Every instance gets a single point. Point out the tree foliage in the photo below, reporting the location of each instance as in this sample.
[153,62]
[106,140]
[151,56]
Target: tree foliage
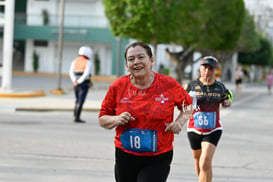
[200,24]
[212,24]
[148,21]
[263,56]
[250,39]
[196,25]
[223,25]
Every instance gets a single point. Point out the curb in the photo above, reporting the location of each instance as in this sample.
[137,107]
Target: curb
[18,94]
[95,78]
[54,109]
[41,93]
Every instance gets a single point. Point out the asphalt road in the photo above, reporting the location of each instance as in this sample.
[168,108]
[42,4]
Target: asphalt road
[48,146]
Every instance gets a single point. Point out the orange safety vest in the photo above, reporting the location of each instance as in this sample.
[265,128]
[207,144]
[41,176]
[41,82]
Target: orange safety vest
[80,64]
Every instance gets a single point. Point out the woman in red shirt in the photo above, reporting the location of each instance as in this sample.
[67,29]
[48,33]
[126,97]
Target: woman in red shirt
[140,106]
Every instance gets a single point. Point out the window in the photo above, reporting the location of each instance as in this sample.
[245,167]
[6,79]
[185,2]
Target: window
[40,43]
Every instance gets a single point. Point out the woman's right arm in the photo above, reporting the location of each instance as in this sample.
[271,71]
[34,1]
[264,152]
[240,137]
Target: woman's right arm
[110,122]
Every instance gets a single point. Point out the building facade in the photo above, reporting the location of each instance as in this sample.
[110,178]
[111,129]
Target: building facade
[262,11]
[36,31]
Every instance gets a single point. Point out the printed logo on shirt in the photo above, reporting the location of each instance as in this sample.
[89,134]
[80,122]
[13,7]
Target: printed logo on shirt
[161,99]
[125,100]
[197,87]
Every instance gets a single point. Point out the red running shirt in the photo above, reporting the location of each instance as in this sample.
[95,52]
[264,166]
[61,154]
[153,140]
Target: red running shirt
[151,108]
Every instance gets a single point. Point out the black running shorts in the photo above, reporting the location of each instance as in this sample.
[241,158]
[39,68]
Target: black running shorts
[196,139]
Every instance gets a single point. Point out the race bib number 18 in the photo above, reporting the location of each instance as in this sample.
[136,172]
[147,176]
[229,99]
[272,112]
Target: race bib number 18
[139,140]
[205,120]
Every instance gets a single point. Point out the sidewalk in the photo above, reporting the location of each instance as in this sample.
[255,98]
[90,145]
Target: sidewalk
[33,92]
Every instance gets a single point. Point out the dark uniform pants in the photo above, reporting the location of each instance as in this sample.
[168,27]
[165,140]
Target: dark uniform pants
[80,91]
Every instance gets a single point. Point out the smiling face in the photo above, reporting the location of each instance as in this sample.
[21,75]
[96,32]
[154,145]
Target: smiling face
[138,62]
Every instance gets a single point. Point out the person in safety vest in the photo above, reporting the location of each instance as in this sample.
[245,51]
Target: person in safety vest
[80,75]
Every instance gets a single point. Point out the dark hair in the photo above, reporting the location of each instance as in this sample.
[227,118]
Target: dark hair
[141,44]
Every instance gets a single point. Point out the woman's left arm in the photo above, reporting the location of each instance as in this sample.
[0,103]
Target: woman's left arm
[177,125]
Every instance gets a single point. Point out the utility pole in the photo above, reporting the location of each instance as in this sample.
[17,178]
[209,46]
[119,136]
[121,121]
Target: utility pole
[118,56]
[60,44]
[7,44]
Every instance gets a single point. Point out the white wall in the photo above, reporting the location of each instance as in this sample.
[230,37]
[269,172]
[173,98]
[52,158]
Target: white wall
[77,13]
[105,55]
[48,61]
[35,8]
[28,56]
[80,13]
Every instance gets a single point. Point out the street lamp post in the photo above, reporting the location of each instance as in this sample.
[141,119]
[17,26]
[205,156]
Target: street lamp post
[118,56]
[7,44]
[60,44]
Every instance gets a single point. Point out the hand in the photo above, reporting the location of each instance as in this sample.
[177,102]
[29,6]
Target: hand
[174,127]
[123,118]
[226,103]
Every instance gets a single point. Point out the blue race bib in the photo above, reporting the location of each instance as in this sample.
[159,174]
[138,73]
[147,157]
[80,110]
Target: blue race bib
[139,140]
[205,120]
